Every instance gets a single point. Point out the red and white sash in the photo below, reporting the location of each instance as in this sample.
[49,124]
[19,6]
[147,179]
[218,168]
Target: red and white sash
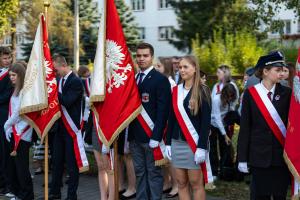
[148,126]
[273,120]
[4,73]
[189,130]
[269,112]
[75,133]
[17,136]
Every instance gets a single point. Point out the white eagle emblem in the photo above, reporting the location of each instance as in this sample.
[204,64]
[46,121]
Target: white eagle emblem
[115,73]
[296,84]
[51,83]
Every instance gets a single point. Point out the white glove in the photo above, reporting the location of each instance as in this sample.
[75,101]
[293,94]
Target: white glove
[8,134]
[200,156]
[105,149]
[153,143]
[243,167]
[168,152]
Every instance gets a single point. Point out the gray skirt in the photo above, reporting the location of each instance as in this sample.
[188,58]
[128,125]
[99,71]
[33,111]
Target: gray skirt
[182,155]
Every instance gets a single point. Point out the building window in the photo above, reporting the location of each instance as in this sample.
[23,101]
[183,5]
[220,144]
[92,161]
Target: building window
[7,40]
[138,5]
[164,4]
[142,34]
[165,32]
[20,39]
[287,27]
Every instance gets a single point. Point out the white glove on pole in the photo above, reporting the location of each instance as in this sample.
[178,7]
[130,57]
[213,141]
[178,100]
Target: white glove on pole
[243,167]
[105,149]
[168,152]
[153,143]
[200,156]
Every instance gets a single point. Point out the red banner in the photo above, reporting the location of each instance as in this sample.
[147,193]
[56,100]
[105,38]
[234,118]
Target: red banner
[292,141]
[122,102]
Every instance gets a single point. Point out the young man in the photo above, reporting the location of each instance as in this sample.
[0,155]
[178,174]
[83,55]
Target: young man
[5,93]
[175,62]
[68,141]
[155,92]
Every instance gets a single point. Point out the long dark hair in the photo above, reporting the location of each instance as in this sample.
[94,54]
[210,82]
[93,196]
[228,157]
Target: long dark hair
[168,66]
[228,94]
[20,69]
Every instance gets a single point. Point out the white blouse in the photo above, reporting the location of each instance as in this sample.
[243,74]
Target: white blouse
[16,120]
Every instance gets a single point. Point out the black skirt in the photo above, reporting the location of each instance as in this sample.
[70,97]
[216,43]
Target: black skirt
[273,180]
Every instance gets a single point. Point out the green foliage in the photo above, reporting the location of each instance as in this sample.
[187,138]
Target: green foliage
[8,13]
[239,51]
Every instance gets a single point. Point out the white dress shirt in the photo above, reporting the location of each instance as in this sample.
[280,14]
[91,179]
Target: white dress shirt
[267,91]
[16,120]
[145,72]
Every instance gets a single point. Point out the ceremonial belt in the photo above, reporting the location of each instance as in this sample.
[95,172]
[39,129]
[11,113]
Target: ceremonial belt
[189,130]
[148,126]
[3,74]
[75,133]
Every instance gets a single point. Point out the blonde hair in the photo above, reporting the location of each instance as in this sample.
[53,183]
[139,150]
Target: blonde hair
[198,88]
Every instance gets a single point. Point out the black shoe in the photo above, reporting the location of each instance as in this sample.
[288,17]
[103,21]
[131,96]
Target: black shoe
[54,196]
[121,191]
[122,197]
[70,198]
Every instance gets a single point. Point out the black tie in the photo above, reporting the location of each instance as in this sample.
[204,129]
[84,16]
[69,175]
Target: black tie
[270,95]
[141,78]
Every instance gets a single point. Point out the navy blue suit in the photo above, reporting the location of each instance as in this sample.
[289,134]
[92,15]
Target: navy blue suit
[155,92]
[71,98]
[6,90]
[200,121]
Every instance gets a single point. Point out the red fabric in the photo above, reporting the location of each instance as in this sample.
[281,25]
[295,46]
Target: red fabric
[4,75]
[75,142]
[158,155]
[292,140]
[264,111]
[186,131]
[120,104]
[42,118]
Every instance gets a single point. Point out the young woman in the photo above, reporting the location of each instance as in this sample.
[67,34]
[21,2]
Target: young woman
[19,134]
[262,132]
[287,75]
[218,132]
[165,66]
[105,172]
[188,130]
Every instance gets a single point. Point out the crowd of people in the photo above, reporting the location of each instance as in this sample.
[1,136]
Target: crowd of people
[191,126]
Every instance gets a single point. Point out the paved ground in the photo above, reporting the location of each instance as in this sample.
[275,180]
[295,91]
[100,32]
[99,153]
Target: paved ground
[88,188]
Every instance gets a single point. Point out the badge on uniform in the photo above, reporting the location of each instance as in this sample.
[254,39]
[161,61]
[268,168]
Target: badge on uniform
[145,97]
[277,97]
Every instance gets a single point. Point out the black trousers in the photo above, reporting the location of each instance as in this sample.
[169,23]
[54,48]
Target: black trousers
[18,173]
[63,151]
[4,153]
[216,138]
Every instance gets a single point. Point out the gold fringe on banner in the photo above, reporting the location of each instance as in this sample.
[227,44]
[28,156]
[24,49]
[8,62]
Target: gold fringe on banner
[35,108]
[291,167]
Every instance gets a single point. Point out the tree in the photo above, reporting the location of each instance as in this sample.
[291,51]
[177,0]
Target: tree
[202,17]
[239,50]
[8,13]
[129,26]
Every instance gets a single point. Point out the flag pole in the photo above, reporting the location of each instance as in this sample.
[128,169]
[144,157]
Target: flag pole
[116,171]
[46,165]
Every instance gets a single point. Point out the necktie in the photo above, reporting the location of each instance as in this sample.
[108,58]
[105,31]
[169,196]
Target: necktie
[270,95]
[141,78]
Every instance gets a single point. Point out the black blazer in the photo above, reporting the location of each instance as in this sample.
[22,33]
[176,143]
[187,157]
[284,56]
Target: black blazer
[201,121]
[71,97]
[257,144]
[6,90]
[156,87]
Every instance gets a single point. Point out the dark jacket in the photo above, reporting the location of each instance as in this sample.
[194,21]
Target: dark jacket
[257,144]
[71,98]
[201,121]
[156,87]
[6,90]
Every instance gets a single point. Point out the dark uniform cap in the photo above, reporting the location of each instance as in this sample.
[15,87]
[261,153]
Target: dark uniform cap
[275,59]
